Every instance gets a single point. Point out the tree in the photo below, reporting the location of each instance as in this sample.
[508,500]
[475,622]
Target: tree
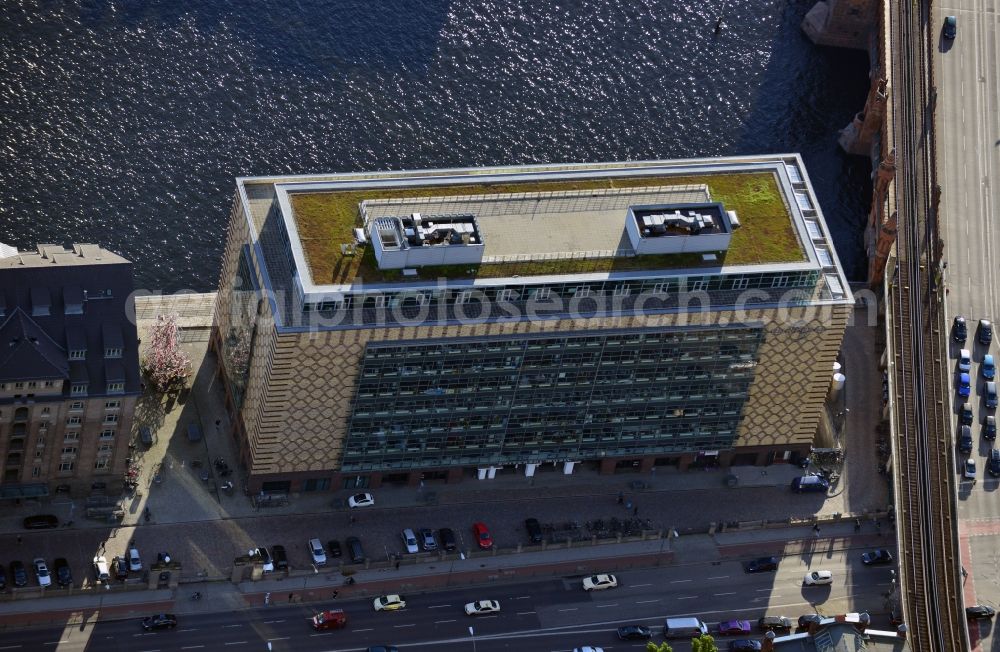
[658,647]
[704,643]
[165,365]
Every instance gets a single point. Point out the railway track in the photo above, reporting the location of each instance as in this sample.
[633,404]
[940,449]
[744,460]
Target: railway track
[923,451]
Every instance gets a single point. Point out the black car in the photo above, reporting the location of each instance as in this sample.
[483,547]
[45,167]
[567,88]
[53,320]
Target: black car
[990,428]
[993,462]
[3,578]
[634,633]
[447,538]
[41,522]
[808,619]
[876,557]
[744,645]
[763,564]
[965,439]
[159,621]
[965,414]
[979,612]
[63,575]
[985,332]
[333,548]
[777,624]
[950,27]
[355,549]
[120,567]
[280,557]
[959,331]
[534,530]
[18,574]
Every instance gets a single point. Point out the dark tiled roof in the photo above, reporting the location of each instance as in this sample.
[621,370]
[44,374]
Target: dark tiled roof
[27,352]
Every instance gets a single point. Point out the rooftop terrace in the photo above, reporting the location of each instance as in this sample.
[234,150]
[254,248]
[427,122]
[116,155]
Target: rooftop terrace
[325,220]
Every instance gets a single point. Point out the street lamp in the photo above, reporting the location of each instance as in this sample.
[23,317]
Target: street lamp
[473,635]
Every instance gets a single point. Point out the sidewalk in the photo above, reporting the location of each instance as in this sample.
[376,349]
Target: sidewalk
[321,587]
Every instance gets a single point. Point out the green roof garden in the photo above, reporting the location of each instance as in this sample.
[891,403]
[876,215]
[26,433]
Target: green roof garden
[326,219]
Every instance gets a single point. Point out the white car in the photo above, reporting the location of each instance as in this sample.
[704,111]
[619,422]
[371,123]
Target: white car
[587,648]
[964,360]
[317,552]
[101,573]
[361,500]
[482,607]
[134,560]
[818,577]
[389,603]
[410,540]
[42,572]
[265,559]
[599,582]
[970,469]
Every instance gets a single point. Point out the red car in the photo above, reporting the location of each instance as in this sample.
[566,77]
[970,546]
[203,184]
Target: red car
[483,536]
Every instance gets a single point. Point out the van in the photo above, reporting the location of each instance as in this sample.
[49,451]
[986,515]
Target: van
[810,483]
[355,550]
[331,619]
[684,628]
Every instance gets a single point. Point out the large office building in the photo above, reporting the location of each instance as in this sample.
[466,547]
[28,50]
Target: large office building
[69,369]
[441,324]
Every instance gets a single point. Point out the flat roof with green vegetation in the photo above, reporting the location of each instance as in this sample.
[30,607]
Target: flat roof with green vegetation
[326,219]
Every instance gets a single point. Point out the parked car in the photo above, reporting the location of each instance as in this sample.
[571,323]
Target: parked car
[482,607]
[427,539]
[991,394]
[3,578]
[361,500]
[382,648]
[389,603]
[64,577]
[41,522]
[280,557]
[808,619]
[264,557]
[965,414]
[964,360]
[134,560]
[482,535]
[41,572]
[159,621]
[120,565]
[950,27]
[959,330]
[734,627]
[448,541]
[776,624]
[534,529]
[876,557]
[333,549]
[18,574]
[744,645]
[964,385]
[969,473]
[816,578]
[762,564]
[979,612]
[355,550]
[316,552]
[410,541]
[985,332]
[988,368]
[990,428]
[600,582]
[330,619]
[965,439]
[635,633]
[993,463]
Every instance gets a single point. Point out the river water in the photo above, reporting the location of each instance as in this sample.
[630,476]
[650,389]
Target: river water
[125,123]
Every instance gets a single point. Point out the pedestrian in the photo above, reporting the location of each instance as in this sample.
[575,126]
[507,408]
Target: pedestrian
[857,525]
[291,596]
[335,594]
[621,498]
[635,511]
[816,530]
[353,520]
[397,565]
[19,539]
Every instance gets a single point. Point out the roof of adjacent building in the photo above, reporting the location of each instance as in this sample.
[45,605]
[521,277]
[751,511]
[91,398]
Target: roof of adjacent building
[55,300]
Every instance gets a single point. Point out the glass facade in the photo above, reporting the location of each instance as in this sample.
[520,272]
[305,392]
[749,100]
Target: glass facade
[553,397]
[238,342]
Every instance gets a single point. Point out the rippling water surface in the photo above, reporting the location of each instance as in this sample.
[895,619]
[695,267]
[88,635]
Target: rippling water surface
[125,122]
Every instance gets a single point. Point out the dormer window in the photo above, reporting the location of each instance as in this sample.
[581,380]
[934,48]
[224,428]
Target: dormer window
[78,389]
[78,354]
[112,353]
[116,388]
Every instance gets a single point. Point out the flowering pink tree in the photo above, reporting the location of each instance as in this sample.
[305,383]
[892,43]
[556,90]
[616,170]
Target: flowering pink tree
[165,365]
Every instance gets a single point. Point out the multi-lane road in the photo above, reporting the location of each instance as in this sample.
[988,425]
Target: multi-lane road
[545,615]
[967,79]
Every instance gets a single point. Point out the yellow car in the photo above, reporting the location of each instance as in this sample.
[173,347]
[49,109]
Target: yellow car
[389,603]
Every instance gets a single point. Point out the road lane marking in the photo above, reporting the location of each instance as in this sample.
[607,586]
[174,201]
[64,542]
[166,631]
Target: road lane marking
[285,638]
[687,597]
[718,594]
[763,590]
[525,613]
[523,597]
[680,581]
[571,609]
[439,606]
[192,647]
[271,622]
[636,586]
[14,647]
[719,577]
[439,622]
[236,625]
[602,606]
[646,601]
[237,643]
[400,626]
[195,629]
[370,629]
